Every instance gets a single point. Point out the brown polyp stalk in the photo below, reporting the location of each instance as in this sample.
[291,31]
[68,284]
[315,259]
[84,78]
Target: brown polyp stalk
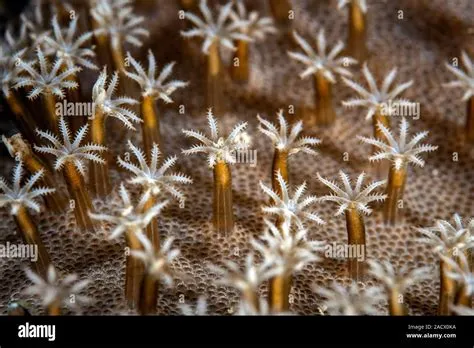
[118,62]
[381,168]
[61,11]
[15,105]
[356,237]
[239,69]
[148,295]
[78,192]
[134,271]
[447,289]
[148,287]
[214,79]
[101,45]
[379,117]
[54,309]
[186,45]
[280,10]
[31,236]
[16,310]
[280,163]
[99,172]
[222,203]
[395,188]
[279,293]
[124,88]
[470,120]
[324,109]
[84,23]
[49,103]
[463,298]
[23,118]
[395,306]
[188,5]
[357,46]
[55,200]
[251,297]
[116,53]
[152,231]
[469,256]
[150,125]
[74,95]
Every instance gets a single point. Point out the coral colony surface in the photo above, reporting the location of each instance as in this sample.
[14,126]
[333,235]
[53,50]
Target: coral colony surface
[303,157]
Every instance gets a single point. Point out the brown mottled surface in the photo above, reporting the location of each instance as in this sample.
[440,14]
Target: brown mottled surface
[431,33]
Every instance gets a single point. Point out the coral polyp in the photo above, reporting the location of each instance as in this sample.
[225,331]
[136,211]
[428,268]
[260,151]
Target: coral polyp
[400,152]
[106,105]
[70,159]
[323,65]
[396,282]
[221,153]
[354,203]
[357,35]
[153,86]
[157,269]
[20,199]
[154,182]
[448,241]
[131,220]
[48,81]
[290,209]
[465,80]
[286,252]
[339,300]
[217,31]
[379,101]
[72,51]
[256,28]
[56,292]
[287,143]
[246,282]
